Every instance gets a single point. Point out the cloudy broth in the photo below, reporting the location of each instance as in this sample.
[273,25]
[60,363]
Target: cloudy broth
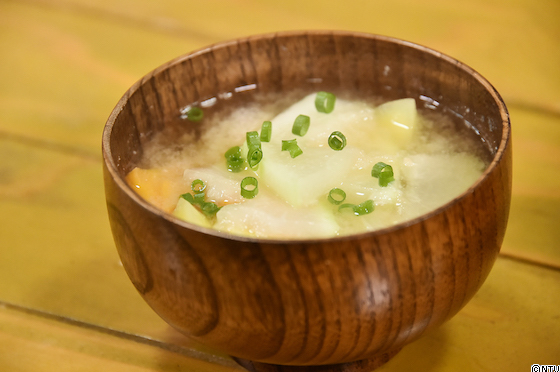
[434,157]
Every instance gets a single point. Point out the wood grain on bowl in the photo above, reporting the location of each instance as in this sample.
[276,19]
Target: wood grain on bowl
[312,302]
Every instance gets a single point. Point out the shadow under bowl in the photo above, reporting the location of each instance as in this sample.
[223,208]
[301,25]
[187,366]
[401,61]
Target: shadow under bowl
[321,301]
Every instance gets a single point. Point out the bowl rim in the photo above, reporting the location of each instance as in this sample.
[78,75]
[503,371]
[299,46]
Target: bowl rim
[124,187]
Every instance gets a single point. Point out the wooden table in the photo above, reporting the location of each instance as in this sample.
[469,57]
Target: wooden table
[66,303]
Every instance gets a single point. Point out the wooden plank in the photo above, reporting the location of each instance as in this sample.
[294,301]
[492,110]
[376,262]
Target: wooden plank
[63,73]
[509,325]
[85,55]
[513,44]
[34,343]
[487,335]
[57,250]
[533,232]
[58,254]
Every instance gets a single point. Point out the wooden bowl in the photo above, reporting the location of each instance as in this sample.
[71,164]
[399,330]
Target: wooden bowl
[308,302]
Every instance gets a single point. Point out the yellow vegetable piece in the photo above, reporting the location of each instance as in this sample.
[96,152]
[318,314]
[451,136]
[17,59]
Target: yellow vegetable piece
[399,117]
[159,187]
[187,212]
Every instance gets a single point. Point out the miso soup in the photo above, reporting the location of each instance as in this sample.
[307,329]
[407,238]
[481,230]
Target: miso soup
[317,167]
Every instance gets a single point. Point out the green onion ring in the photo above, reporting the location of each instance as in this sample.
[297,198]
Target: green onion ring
[235,151]
[235,164]
[199,198]
[346,206]
[234,161]
[249,193]
[253,139]
[364,208]
[295,151]
[292,147]
[377,168]
[324,102]
[266,131]
[359,210]
[194,114]
[254,156]
[188,197]
[336,196]
[337,141]
[286,144]
[384,172]
[198,186]
[209,209]
[301,125]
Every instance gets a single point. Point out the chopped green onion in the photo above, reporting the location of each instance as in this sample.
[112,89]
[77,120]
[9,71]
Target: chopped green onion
[235,164]
[234,161]
[337,141]
[249,187]
[235,151]
[193,114]
[253,139]
[209,209]
[336,196]
[301,125]
[292,147]
[198,186]
[384,172]
[364,208]
[266,131]
[188,197]
[286,144]
[359,210]
[199,198]
[254,156]
[324,102]
[377,168]
[346,206]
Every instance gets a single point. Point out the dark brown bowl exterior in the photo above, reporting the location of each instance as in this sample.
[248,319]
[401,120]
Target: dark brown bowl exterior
[321,301]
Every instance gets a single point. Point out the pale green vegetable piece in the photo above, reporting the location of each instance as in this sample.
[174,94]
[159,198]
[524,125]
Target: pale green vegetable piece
[434,179]
[344,118]
[267,216]
[359,185]
[399,117]
[188,212]
[304,180]
[222,186]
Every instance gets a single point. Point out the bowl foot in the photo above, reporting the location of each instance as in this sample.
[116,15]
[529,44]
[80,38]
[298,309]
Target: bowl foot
[364,365]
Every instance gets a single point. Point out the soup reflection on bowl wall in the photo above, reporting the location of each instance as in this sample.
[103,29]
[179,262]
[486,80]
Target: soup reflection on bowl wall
[308,301]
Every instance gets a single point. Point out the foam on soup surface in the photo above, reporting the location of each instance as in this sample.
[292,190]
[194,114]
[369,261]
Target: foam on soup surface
[431,164]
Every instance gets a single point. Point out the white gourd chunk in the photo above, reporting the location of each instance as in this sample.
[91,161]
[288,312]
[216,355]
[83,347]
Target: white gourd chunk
[301,181]
[266,216]
[399,117]
[187,212]
[222,187]
[359,185]
[435,179]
